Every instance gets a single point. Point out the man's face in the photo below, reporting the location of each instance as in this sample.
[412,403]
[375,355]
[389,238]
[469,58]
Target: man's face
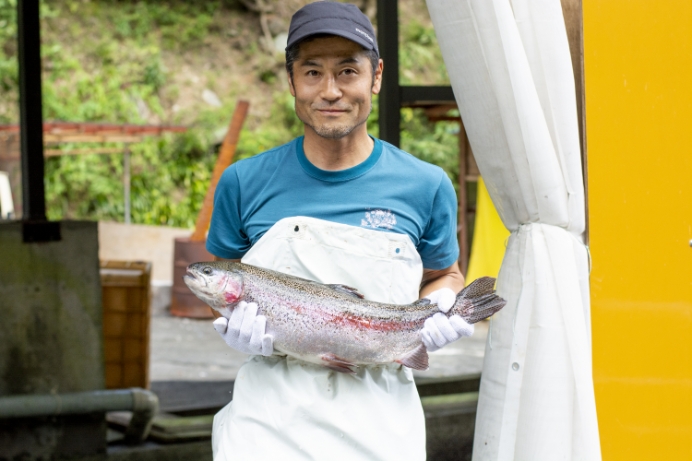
[333,86]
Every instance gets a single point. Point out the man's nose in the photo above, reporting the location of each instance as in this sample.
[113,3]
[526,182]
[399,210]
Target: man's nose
[330,89]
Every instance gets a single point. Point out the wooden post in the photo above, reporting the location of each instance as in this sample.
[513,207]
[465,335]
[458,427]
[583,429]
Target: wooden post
[461,228]
[222,162]
[574,23]
[126,183]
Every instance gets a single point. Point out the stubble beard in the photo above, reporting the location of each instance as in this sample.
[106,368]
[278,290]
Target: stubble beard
[335,132]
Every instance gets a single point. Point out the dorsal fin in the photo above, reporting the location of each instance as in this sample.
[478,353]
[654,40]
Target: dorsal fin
[346,290]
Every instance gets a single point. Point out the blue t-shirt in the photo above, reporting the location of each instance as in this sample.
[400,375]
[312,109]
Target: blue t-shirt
[391,191]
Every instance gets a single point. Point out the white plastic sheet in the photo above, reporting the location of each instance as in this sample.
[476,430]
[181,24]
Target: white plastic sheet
[510,68]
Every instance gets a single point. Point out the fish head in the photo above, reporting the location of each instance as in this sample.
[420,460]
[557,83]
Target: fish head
[214,284]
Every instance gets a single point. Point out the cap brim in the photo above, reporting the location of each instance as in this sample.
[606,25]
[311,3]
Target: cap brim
[362,41]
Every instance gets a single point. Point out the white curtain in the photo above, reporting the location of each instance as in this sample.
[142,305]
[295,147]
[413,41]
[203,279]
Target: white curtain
[510,68]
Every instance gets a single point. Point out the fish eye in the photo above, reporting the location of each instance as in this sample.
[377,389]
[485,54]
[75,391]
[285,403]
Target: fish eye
[207,270]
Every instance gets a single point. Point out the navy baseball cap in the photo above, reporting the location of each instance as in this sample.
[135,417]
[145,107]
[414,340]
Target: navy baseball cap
[333,18]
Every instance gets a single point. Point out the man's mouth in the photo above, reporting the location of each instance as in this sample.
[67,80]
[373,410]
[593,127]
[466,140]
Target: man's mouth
[331,111]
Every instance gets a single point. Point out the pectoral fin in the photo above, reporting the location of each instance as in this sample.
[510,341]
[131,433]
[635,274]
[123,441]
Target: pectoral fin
[416,359]
[338,364]
[346,290]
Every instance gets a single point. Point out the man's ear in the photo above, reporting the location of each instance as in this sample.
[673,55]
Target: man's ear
[377,80]
[290,85]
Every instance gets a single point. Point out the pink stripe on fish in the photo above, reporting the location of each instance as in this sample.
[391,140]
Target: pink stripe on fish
[371,324]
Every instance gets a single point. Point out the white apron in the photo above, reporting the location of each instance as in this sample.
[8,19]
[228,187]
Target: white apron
[287,409]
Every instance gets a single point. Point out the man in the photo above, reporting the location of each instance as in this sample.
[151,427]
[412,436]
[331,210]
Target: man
[335,206]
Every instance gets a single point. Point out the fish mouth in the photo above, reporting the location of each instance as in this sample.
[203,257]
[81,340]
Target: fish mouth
[191,277]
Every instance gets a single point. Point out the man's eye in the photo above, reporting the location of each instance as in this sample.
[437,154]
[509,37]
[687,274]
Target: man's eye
[313,73]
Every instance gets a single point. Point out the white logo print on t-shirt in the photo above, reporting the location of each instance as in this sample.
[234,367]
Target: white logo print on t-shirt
[379,219]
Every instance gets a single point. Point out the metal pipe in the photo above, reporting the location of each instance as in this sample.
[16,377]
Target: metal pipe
[126,183]
[142,403]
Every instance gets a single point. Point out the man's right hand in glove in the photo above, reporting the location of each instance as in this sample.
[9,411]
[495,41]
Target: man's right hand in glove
[245,331]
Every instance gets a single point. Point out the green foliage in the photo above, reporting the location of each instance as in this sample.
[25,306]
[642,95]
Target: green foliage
[8,20]
[154,74]
[420,58]
[282,126]
[9,78]
[169,180]
[435,143]
[180,24]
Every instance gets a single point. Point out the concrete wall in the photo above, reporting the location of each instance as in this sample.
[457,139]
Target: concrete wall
[50,335]
[136,242]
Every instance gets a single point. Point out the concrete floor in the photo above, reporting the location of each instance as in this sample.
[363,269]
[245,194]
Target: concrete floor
[190,350]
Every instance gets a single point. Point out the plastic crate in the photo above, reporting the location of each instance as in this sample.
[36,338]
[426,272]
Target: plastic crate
[126,318]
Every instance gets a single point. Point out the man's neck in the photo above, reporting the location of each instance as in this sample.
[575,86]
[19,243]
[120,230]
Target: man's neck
[338,154]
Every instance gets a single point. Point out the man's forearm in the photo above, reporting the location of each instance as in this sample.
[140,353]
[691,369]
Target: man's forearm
[450,277]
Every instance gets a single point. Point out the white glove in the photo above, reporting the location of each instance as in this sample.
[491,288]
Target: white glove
[440,330]
[245,331]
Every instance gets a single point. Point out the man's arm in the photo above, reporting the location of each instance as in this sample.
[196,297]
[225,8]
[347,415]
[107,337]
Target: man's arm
[449,277]
[441,287]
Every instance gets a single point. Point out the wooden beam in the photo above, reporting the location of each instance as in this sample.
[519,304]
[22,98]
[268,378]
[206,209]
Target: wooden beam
[574,23]
[230,141]
[444,118]
[56,139]
[463,201]
[429,95]
[94,151]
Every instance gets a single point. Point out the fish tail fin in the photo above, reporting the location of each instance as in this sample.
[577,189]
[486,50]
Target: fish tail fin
[478,301]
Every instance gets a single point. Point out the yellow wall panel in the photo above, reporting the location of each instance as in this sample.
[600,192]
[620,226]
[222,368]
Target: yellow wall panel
[489,238]
[638,85]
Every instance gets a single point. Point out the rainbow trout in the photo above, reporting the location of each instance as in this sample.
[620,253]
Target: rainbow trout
[332,325]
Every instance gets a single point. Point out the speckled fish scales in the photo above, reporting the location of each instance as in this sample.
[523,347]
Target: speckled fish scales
[332,325]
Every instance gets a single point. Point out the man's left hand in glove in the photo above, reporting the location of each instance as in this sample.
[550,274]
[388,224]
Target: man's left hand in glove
[440,330]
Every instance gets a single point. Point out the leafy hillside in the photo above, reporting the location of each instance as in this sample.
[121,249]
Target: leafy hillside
[178,62]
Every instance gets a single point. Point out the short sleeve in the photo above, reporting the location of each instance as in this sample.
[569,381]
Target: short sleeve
[438,245]
[226,238]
